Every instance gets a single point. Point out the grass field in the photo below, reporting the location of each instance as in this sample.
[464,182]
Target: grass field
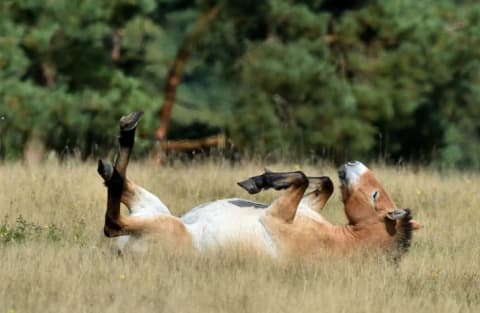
[54,257]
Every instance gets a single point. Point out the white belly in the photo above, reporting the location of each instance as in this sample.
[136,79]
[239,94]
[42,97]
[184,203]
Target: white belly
[229,221]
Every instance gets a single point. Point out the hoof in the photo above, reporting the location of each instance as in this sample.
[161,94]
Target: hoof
[129,122]
[273,180]
[250,186]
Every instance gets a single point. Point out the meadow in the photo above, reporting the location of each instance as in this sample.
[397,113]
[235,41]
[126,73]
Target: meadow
[54,257]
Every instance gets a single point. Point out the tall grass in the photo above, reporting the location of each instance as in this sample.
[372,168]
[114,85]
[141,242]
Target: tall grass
[54,257]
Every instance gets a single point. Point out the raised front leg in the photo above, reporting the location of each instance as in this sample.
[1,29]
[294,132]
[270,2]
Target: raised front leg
[294,185]
[275,180]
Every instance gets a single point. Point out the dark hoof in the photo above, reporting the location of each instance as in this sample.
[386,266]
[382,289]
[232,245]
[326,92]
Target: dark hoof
[250,186]
[273,180]
[130,121]
[105,170]
[253,184]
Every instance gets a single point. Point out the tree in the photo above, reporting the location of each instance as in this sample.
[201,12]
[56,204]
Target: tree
[336,79]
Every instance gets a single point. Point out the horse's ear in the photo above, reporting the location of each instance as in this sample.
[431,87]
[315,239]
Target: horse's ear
[415,225]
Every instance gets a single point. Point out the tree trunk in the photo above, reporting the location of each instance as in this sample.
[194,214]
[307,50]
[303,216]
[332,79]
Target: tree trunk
[187,145]
[34,149]
[116,46]
[176,71]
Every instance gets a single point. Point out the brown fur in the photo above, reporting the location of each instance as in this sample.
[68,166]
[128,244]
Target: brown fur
[317,199]
[129,193]
[307,238]
[169,229]
[285,207]
[359,207]
[369,228]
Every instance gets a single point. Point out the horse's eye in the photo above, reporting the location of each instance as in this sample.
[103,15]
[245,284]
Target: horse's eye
[375,195]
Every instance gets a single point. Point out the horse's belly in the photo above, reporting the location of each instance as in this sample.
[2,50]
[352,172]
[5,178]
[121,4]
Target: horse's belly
[221,224]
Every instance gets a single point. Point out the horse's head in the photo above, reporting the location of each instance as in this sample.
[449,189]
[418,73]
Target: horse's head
[364,198]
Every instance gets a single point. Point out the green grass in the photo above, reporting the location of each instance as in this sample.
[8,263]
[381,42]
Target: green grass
[54,257]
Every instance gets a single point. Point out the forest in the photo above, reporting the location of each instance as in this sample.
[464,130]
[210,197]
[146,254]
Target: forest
[392,80]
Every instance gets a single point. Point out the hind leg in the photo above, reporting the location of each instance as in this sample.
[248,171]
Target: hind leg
[140,201]
[115,176]
[171,228]
[165,227]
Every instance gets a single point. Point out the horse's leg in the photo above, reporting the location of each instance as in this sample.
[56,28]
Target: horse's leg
[140,201]
[114,181]
[115,176]
[323,189]
[126,139]
[294,185]
[120,189]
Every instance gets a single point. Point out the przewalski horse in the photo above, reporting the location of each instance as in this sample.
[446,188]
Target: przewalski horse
[291,226]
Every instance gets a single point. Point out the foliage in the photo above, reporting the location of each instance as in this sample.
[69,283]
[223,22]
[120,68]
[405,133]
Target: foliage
[23,231]
[397,80]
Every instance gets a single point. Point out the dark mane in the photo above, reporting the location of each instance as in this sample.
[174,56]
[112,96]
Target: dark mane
[404,228]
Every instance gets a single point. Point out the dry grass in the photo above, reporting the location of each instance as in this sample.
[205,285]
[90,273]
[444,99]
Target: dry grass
[55,258]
